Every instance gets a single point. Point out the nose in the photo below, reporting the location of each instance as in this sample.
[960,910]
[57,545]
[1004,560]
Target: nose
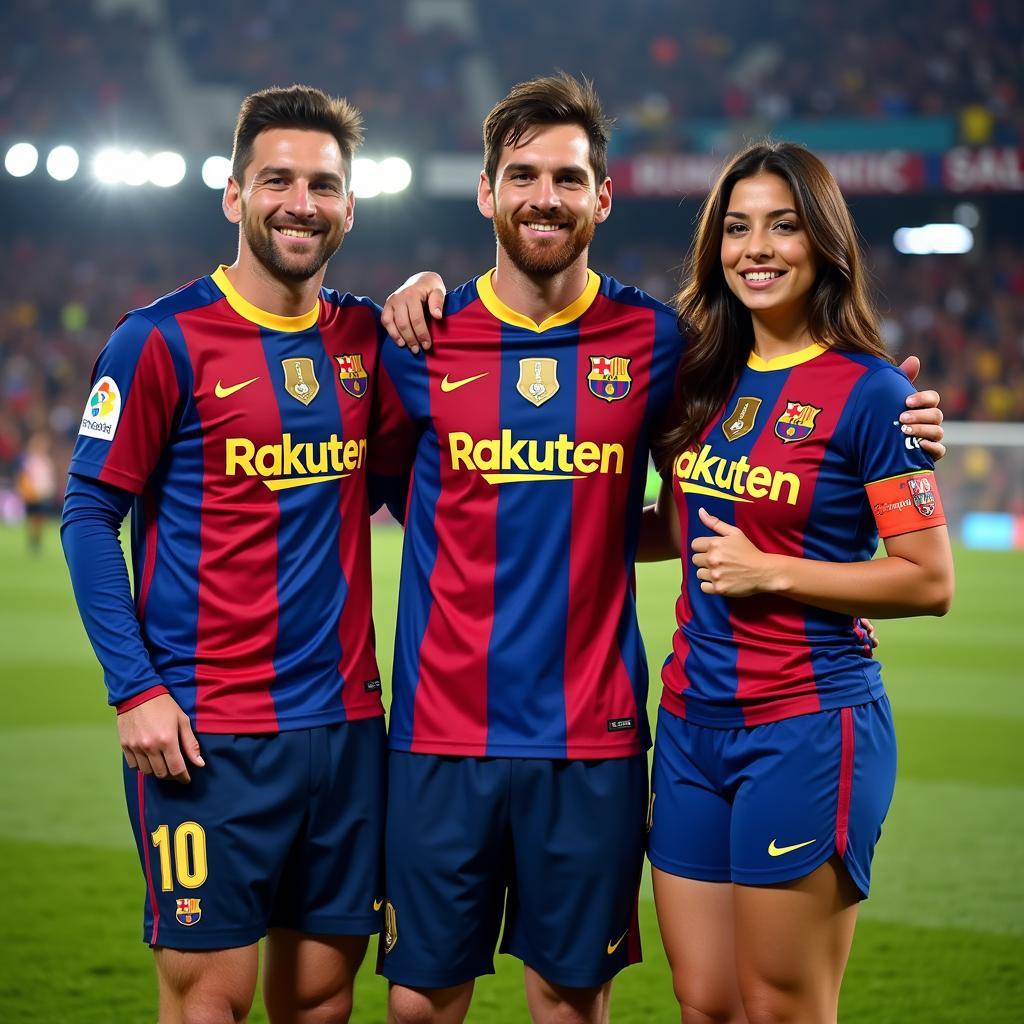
[300,200]
[545,196]
[759,244]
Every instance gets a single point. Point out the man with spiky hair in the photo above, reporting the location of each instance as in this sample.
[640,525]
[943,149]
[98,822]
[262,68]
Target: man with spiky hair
[231,418]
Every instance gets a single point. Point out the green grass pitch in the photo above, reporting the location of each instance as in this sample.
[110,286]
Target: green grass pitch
[939,941]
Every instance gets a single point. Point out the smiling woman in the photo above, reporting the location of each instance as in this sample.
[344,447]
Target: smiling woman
[775,756]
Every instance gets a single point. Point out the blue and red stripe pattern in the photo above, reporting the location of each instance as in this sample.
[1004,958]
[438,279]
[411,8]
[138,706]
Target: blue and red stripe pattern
[247,457]
[517,632]
[789,460]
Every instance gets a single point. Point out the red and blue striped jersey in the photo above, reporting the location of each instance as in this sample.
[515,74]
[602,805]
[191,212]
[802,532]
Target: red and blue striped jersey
[808,459]
[243,436]
[517,632]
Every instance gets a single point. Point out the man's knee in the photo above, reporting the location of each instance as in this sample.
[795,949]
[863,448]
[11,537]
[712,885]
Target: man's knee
[214,987]
[561,1004]
[428,1005]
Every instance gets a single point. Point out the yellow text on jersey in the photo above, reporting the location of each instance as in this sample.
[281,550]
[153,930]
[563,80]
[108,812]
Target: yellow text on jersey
[733,479]
[291,464]
[506,460]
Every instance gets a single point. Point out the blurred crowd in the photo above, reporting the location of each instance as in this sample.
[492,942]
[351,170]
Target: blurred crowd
[963,316]
[420,71]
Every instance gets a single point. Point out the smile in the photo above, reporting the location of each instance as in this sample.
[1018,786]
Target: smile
[533,226]
[296,232]
[755,276]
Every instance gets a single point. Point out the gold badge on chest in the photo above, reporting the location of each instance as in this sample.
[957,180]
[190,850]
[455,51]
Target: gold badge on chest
[741,420]
[538,379]
[300,379]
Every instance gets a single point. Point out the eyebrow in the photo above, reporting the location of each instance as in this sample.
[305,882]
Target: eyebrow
[568,169]
[287,172]
[772,213]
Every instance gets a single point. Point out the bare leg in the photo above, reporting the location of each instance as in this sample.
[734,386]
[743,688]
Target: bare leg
[429,1005]
[792,944]
[206,987]
[560,1004]
[697,928]
[308,979]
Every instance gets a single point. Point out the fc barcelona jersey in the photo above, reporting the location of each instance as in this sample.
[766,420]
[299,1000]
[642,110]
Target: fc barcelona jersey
[808,459]
[243,436]
[517,632]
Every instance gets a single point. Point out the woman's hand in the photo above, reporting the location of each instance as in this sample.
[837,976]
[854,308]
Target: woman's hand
[727,563]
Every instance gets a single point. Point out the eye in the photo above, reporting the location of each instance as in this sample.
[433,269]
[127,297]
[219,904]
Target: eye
[735,228]
[786,226]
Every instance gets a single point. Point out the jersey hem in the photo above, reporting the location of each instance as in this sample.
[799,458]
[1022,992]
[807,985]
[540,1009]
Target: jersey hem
[682,870]
[268,727]
[747,717]
[572,978]
[580,752]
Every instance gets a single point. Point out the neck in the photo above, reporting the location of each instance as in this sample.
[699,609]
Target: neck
[259,286]
[538,296]
[780,334]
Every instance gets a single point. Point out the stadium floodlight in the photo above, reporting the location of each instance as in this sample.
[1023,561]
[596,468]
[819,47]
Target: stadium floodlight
[107,166]
[135,168]
[166,169]
[21,159]
[395,174]
[934,239]
[366,181]
[62,163]
[967,214]
[216,171]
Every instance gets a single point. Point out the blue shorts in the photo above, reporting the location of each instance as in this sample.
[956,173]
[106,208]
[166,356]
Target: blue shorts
[279,830]
[773,802]
[557,846]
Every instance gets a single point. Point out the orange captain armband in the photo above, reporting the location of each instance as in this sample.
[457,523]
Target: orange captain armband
[906,503]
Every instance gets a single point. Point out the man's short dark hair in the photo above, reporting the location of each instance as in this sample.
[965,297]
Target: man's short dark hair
[555,99]
[297,106]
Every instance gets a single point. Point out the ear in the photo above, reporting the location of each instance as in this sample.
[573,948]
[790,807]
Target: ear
[485,196]
[350,213]
[231,204]
[604,201]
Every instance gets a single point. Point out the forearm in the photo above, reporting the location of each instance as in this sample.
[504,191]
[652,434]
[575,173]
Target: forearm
[887,587]
[89,532]
[656,543]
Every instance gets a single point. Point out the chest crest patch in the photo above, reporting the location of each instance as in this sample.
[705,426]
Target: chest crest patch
[352,374]
[300,379]
[741,420]
[797,422]
[609,377]
[538,379]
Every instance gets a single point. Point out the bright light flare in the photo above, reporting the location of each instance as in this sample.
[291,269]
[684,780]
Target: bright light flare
[62,163]
[395,174]
[934,239]
[216,171]
[107,166]
[365,178]
[166,169]
[21,159]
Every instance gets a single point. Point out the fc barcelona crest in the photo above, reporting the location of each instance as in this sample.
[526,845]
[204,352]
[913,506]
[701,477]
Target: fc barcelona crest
[187,911]
[797,422]
[922,495]
[538,379]
[741,420]
[609,377]
[352,375]
[300,379]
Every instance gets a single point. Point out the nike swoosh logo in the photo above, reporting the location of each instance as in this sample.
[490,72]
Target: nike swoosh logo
[778,851]
[612,946]
[377,904]
[222,392]
[451,385]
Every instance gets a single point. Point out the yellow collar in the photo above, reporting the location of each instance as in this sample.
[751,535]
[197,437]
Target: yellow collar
[805,355]
[508,315]
[272,321]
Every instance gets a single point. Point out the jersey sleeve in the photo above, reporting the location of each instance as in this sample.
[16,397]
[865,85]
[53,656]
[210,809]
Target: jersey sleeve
[898,476]
[393,436]
[130,412]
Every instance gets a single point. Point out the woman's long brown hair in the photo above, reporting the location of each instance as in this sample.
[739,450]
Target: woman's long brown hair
[719,326]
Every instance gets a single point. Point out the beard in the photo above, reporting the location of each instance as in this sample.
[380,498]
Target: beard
[539,258]
[265,246]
